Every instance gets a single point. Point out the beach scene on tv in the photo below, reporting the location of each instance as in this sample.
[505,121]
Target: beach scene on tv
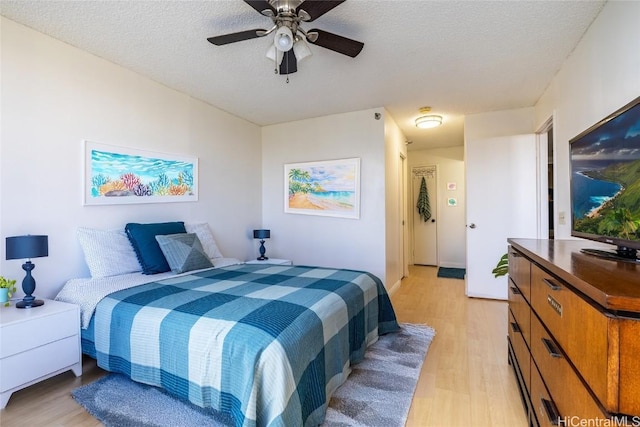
[606,179]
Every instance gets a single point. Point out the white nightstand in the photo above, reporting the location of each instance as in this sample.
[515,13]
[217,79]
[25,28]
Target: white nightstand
[37,343]
[274,261]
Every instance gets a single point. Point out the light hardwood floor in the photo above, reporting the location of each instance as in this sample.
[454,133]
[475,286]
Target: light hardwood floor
[465,379]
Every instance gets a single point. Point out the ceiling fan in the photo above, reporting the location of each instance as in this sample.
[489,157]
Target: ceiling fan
[289,45]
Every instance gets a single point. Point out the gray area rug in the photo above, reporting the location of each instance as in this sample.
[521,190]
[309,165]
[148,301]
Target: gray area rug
[377,393]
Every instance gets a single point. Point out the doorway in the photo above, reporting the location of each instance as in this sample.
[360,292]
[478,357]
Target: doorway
[502,202]
[425,234]
[546,180]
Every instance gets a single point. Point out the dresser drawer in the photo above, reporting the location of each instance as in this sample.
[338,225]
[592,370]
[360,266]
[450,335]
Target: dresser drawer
[543,407]
[521,311]
[584,334]
[629,400]
[520,350]
[520,272]
[570,395]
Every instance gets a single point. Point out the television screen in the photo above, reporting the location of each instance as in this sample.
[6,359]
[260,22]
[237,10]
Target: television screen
[605,181]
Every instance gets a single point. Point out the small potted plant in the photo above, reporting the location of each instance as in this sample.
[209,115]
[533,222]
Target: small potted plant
[502,268]
[7,289]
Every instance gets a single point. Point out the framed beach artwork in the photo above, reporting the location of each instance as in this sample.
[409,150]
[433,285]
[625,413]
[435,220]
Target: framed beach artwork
[326,188]
[118,175]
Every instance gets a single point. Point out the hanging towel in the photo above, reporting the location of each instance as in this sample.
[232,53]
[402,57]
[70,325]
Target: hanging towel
[424,209]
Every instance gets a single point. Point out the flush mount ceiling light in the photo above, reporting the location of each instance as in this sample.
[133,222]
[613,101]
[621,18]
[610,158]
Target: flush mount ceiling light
[428,120]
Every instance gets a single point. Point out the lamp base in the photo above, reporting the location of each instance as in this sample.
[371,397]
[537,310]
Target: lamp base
[262,258]
[29,304]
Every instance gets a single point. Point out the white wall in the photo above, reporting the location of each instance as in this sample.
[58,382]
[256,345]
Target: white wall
[53,97]
[451,232]
[499,123]
[394,201]
[601,75]
[321,240]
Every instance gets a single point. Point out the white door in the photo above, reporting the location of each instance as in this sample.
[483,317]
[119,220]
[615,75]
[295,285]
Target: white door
[501,176]
[425,237]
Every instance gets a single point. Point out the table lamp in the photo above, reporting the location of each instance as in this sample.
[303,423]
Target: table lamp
[21,247]
[261,234]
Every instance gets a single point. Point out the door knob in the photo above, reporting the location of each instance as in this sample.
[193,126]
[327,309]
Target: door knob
[472,225]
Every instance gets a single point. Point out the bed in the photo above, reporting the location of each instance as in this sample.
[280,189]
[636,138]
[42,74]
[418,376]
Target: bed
[267,344]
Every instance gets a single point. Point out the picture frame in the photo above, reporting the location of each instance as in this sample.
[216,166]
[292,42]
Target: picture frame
[116,175]
[324,188]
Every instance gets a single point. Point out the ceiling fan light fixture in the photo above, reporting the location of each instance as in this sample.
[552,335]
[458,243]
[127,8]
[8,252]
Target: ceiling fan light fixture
[283,40]
[275,55]
[301,49]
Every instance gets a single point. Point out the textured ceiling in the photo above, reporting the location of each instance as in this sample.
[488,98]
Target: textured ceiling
[459,57]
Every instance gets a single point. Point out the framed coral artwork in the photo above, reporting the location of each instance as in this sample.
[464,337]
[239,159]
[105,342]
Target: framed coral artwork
[118,175]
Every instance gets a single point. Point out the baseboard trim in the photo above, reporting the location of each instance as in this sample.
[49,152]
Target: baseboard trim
[395,287]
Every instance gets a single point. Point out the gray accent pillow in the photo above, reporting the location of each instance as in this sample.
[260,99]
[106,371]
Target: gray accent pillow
[183,252]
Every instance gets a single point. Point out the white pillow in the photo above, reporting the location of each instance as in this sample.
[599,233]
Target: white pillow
[108,252]
[205,236]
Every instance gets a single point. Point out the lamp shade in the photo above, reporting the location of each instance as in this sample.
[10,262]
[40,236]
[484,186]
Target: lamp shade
[301,50]
[261,234]
[283,39]
[21,247]
[275,54]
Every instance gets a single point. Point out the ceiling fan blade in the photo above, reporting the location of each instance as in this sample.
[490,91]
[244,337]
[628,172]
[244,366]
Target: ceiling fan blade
[317,8]
[336,43]
[260,6]
[289,64]
[236,37]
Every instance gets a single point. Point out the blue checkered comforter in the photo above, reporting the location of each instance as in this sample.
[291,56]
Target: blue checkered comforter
[267,344]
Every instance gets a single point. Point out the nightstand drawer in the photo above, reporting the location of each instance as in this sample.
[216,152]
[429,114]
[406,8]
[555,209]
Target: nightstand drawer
[38,330]
[36,344]
[39,362]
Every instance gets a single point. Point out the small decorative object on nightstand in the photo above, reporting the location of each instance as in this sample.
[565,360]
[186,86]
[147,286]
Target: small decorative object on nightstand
[7,289]
[262,234]
[21,247]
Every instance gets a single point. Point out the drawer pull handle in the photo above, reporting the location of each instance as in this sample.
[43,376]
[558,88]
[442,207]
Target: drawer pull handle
[551,348]
[551,411]
[552,285]
[515,290]
[515,327]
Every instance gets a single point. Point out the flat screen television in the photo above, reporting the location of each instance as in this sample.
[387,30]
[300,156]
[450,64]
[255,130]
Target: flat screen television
[605,183]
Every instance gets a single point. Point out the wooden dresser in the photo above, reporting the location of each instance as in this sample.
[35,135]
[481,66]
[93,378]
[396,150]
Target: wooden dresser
[574,333]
